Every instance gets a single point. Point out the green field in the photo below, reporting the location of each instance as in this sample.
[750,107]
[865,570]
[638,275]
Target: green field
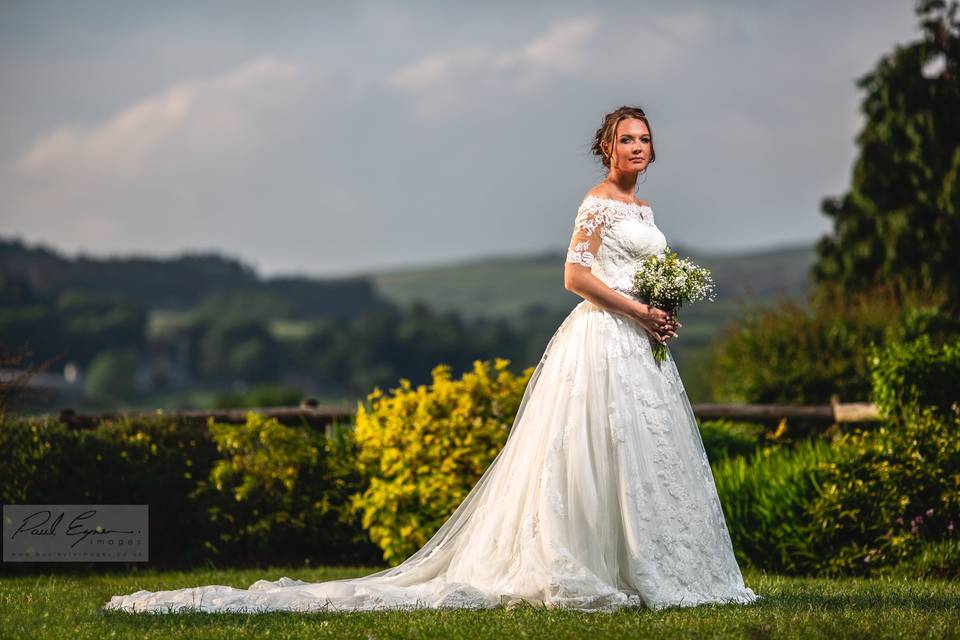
[506,286]
[68,606]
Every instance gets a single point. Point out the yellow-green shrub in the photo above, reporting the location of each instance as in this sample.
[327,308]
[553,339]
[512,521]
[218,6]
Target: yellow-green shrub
[278,492]
[421,450]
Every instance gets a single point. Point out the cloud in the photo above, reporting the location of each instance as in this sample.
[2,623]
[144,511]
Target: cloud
[559,49]
[169,161]
[593,46]
[437,69]
[441,81]
[205,117]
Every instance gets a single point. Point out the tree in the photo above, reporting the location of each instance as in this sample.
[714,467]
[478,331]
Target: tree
[900,220]
[111,375]
[241,348]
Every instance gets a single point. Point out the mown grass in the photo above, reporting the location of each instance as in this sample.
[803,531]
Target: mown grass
[69,606]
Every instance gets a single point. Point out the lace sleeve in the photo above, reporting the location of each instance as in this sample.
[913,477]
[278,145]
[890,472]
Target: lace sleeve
[587,233]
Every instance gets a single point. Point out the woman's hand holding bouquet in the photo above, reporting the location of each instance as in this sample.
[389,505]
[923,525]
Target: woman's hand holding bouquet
[665,284]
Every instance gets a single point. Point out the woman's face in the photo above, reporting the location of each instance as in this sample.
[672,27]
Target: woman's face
[632,146]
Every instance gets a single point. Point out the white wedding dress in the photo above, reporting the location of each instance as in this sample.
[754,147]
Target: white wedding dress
[601,498]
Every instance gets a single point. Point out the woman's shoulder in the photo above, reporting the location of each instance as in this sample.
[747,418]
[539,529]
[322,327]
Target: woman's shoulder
[601,192]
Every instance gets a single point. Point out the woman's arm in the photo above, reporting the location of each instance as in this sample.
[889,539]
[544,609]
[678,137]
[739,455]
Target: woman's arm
[578,279]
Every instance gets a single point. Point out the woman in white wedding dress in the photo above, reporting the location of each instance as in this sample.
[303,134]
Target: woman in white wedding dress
[602,496]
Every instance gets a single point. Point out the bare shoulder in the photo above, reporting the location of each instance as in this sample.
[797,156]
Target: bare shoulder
[598,191]
[602,191]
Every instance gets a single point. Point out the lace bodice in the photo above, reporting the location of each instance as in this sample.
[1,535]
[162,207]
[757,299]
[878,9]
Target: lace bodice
[610,236]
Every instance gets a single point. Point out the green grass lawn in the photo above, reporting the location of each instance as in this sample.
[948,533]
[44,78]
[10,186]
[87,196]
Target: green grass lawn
[68,606]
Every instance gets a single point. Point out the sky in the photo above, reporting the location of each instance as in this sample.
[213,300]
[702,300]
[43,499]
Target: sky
[339,138]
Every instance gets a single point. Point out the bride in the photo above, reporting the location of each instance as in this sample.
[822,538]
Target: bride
[602,496]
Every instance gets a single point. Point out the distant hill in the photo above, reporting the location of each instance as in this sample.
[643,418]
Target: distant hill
[504,286]
[182,282]
[494,287]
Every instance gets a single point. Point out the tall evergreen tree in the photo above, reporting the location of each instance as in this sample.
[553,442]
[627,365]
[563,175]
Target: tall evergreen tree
[899,223]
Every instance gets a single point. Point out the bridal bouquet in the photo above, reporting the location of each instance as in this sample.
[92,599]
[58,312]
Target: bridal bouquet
[669,282]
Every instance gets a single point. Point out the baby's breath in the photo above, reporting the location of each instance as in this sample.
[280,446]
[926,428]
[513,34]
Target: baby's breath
[668,282]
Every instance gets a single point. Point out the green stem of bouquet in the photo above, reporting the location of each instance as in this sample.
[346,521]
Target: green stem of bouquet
[659,351]
[660,348]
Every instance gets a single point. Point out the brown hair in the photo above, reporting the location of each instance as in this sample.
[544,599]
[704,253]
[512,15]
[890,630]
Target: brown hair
[608,130]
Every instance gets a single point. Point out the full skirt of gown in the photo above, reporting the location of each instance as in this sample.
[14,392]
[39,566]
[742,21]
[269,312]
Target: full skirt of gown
[601,498]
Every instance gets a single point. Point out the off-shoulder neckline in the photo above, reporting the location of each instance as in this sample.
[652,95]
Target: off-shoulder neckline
[620,202]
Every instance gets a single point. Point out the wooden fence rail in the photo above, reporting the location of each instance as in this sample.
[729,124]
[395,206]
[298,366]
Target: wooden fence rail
[310,413]
[835,412]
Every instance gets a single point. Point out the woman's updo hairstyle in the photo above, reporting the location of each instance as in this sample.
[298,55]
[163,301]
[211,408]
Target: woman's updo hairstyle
[607,132]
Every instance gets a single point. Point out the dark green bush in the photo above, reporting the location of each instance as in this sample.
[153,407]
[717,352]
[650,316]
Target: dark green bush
[150,461]
[939,560]
[919,373]
[887,491]
[261,395]
[28,450]
[168,464]
[927,320]
[880,495]
[802,354]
